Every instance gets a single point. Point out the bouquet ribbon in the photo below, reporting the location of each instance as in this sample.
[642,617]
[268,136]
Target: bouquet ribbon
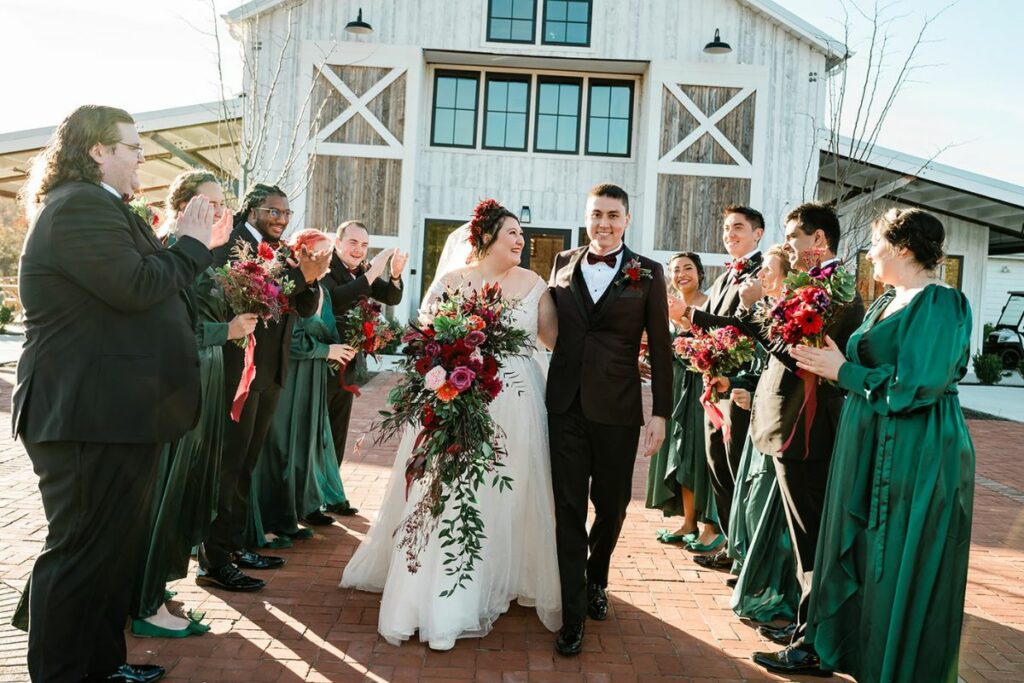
[714,413]
[807,409]
[352,388]
[245,381]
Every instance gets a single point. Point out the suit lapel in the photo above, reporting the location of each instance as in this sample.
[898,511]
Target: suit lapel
[574,266]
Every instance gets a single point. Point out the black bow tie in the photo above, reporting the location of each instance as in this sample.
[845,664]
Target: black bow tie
[593,259]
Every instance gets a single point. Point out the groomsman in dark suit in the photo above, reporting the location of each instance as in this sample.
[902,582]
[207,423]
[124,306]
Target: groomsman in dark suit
[742,229]
[802,453]
[263,218]
[349,278]
[606,297]
[109,373]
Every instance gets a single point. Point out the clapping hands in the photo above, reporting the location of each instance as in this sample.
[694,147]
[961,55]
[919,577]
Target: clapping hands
[196,221]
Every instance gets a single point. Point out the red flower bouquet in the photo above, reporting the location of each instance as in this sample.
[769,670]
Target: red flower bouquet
[367,331]
[720,352]
[450,373]
[809,302]
[254,283]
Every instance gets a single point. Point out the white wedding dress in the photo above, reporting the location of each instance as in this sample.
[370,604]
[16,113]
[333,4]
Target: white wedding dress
[519,559]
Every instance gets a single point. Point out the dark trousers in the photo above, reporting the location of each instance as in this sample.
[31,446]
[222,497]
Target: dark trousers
[595,458]
[243,441]
[97,499]
[724,459]
[339,410]
[802,485]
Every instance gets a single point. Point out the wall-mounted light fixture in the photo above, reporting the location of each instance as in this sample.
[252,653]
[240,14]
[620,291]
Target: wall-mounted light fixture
[359,27]
[717,47]
[524,215]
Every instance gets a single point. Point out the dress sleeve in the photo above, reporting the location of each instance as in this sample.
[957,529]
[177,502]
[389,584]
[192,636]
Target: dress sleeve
[933,338]
[426,313]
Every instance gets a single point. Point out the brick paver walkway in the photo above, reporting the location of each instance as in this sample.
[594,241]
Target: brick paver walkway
[669,619]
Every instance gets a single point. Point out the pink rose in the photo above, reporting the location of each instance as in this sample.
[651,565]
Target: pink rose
[462,378]
[435,379]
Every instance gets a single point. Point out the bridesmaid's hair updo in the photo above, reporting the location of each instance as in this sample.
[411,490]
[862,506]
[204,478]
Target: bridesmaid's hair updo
[185,187]
[917,230]
[485,224]
[779,252]
[695,257]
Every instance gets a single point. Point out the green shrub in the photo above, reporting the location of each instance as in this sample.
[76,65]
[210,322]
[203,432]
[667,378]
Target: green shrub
[987,329]
[988,367]
[1020,368]
[6,317]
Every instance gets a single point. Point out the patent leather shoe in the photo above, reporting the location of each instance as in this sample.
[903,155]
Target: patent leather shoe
[782,635]
[719,560]
[229,578]
[570,640]
[247,559]
[792,661]
[597,602]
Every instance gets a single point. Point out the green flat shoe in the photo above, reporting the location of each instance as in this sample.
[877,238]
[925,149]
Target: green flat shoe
[195,622]
[659,533]
[706,547]
[143,629]
[279,542]
[301,535]
[168,594]
[681,538]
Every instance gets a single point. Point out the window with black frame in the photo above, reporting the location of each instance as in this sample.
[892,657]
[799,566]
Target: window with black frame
[511,21]
[454,116]
[506,112]
[567,22]
[558,115]
[609,118]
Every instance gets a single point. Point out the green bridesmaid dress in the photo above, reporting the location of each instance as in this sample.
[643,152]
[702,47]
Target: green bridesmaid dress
[297,472]
[891,568]
[663,492]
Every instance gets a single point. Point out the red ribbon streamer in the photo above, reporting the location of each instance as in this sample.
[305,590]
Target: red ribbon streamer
[810,405]
[245,381]
[352,388]
[714,413]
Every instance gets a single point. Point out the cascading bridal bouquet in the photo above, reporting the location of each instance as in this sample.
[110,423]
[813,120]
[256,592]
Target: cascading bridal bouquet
[716,353]
[449,376]
[254,283]
[367,331]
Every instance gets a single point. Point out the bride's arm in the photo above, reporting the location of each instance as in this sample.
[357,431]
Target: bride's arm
[547,320]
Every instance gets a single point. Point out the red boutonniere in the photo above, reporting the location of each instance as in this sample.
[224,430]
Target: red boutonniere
[633,272]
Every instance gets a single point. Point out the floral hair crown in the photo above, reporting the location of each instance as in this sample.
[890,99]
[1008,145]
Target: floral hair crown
[481,214]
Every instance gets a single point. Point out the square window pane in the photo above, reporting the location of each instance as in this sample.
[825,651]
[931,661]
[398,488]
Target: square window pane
[566,134]
[576,34]
[515,130]
[497,93]
[517,96]
[522,30]
[569,100]
[466,98]
[523,9]
[547,127]
[548,98]
[444,95]
[501,29]
[556,10]
[618,136]
[599,100]
[619,102]
[444,122]
[597,136]
[579,11]
[501,8]
[554,32]
[495,130]
[464,121]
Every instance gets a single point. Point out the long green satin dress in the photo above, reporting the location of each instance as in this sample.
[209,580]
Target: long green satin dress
[190,467]
[891,568]
[297,472]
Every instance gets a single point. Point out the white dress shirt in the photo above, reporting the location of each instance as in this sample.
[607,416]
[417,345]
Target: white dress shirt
[111,190]
[254,232]
[598,276]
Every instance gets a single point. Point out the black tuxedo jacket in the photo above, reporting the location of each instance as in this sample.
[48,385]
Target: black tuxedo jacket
[724,296]
[345,289]
[598,346]
[273,342]
[110,354]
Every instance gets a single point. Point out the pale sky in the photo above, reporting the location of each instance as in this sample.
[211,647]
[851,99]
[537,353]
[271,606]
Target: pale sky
[63,53]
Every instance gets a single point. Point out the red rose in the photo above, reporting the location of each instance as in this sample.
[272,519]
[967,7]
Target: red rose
[429,419]
[490,368]
[633,274]
[424,364]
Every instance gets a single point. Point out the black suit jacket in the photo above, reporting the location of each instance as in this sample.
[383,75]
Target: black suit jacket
[597,350]
[345,289]
[273,342]
[110,355]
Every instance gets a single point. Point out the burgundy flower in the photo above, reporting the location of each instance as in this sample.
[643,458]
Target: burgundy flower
[461,378]
[475,338]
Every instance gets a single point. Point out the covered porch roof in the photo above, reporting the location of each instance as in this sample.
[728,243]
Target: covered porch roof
[173,140]
[943,190]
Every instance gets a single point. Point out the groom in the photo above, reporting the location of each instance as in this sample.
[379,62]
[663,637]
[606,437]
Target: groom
[606,297]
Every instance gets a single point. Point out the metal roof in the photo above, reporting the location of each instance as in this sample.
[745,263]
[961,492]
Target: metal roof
[944,190]
[173,140]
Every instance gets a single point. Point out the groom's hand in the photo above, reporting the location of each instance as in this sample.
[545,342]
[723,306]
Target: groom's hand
[654,435]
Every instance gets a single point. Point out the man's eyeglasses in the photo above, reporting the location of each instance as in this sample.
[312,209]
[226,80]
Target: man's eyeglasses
[135,148]
[277,213]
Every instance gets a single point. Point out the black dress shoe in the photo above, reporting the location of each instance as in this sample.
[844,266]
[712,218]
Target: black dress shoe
[597,602]
[731,581]
[250,560]
[570,640]
[792,660]
[136,673]
[783,635]
[719,560]
[318,519]
[229,578]
[345,509]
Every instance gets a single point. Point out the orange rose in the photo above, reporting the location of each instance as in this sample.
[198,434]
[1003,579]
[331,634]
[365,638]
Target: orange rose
[476,322]
[447,392]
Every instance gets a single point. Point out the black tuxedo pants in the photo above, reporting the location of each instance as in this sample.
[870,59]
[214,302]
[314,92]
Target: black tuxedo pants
[339,410]
[592,458]
[97,499]
[724,458]
[802,484]
[243,441]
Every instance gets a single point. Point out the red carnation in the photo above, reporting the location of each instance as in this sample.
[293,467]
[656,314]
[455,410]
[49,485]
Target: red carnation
[265,252]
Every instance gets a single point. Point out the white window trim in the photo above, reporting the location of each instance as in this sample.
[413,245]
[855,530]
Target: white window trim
[537,46]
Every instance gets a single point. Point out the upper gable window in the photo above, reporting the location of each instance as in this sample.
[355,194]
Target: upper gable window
[567,22]
[511,21]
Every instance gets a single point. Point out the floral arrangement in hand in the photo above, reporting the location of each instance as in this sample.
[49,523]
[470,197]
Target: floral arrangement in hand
[716,353]
[367,331]
[450,373]
[809,302]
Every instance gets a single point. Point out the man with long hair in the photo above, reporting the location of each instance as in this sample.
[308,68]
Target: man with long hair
[108,375]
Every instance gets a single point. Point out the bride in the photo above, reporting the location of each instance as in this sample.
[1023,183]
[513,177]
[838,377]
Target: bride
[518,554]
